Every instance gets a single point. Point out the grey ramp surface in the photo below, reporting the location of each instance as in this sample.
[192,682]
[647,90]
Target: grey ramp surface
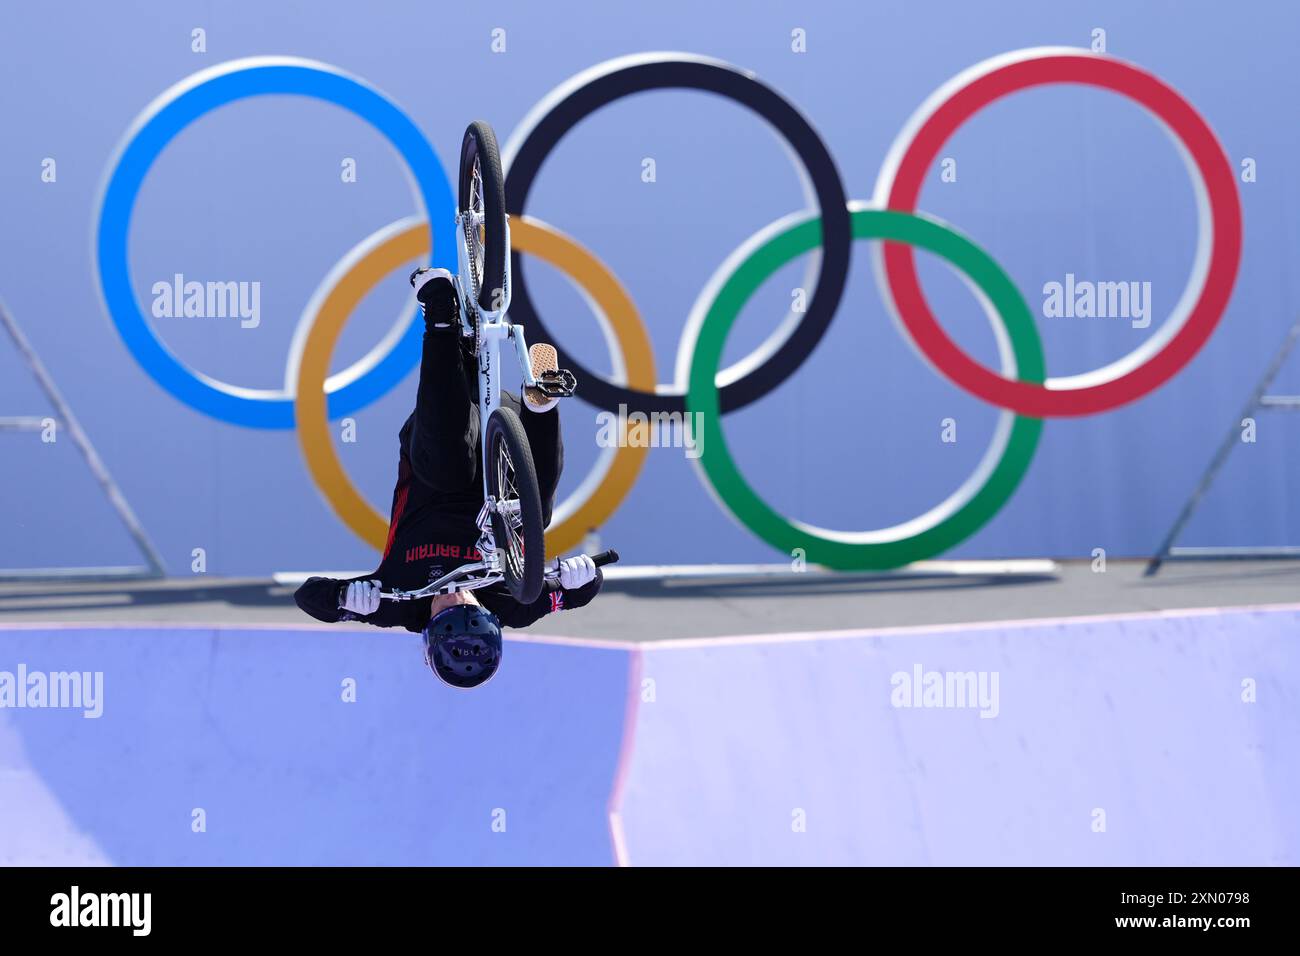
[652,610]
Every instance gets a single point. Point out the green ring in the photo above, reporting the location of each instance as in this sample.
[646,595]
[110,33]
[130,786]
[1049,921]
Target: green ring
[719,468]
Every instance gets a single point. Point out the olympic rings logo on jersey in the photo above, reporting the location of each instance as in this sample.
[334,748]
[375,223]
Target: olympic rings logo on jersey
[1021,388]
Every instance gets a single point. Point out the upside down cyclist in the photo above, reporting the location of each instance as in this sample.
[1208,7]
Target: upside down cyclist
[439,494]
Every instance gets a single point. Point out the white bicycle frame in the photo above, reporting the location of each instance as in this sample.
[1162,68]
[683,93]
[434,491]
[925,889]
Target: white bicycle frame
[493,329]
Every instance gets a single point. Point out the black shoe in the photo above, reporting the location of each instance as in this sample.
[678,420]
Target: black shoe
[436,293]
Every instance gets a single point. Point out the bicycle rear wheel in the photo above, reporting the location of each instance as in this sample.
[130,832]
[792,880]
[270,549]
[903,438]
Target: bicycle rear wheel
[482,204]
[517,519]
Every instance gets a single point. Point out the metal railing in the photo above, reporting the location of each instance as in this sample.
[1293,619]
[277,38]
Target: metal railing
[64,419]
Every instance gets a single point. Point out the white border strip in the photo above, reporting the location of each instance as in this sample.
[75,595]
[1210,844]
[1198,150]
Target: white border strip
[695,643]
[687,643]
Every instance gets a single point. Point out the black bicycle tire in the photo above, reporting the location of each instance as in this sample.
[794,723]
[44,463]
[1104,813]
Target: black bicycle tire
[481,143]
[505,426]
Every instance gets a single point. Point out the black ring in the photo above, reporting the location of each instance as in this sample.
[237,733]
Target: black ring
[744,88]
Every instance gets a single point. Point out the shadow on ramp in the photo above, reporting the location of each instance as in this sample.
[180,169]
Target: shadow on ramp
[811,585]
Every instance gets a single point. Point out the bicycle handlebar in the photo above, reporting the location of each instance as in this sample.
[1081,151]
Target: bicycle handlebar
[552,581]
[600,559]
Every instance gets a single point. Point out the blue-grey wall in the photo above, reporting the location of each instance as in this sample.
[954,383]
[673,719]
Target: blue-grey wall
[1053,181]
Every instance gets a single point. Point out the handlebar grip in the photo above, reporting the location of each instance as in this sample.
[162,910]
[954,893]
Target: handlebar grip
[600,560]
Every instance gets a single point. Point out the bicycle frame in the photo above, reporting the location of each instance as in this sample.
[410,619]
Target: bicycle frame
[493,328]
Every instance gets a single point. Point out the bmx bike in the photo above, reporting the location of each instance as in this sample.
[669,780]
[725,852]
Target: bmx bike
[512,542]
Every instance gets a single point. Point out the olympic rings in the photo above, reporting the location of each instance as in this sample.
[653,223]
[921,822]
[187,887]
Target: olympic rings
[371,376]
[943,526]
[1218,252]
[584,94]
[1022,390]
[604,489]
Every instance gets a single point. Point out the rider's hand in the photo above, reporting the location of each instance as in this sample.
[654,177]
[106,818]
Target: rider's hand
[360,597]
[577,571]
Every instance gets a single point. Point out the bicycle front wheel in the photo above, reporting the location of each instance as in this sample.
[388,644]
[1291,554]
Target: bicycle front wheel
[517,517]
[482,205]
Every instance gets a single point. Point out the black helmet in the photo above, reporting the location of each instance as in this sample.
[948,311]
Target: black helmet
[462,645]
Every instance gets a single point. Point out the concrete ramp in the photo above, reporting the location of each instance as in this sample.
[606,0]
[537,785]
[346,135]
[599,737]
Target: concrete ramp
[251,728]
[1170,738]
[1125,740]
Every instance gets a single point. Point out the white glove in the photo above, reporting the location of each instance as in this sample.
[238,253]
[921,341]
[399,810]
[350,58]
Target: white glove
[577,571]
[361,597]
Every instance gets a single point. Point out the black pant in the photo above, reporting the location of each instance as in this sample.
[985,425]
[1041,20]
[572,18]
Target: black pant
[444,442]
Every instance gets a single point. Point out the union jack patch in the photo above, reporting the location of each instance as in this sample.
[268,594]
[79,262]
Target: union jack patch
[557,601]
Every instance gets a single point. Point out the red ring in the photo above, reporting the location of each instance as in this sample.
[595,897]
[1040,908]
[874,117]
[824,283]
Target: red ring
[1029,399]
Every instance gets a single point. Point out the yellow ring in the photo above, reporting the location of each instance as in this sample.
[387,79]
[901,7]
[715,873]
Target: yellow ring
[527,235]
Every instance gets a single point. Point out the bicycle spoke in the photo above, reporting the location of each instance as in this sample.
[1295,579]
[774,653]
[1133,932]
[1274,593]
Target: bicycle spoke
[477,228]
[511,492]
[512,520]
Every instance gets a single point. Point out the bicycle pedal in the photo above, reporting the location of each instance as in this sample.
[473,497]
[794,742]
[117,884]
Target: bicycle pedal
[558,383]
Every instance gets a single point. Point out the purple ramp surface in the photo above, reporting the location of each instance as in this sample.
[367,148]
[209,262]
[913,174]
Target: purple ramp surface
[249,731]
[1142,739]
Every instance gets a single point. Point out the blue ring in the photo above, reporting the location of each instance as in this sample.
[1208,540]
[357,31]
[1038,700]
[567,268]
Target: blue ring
[168,118]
